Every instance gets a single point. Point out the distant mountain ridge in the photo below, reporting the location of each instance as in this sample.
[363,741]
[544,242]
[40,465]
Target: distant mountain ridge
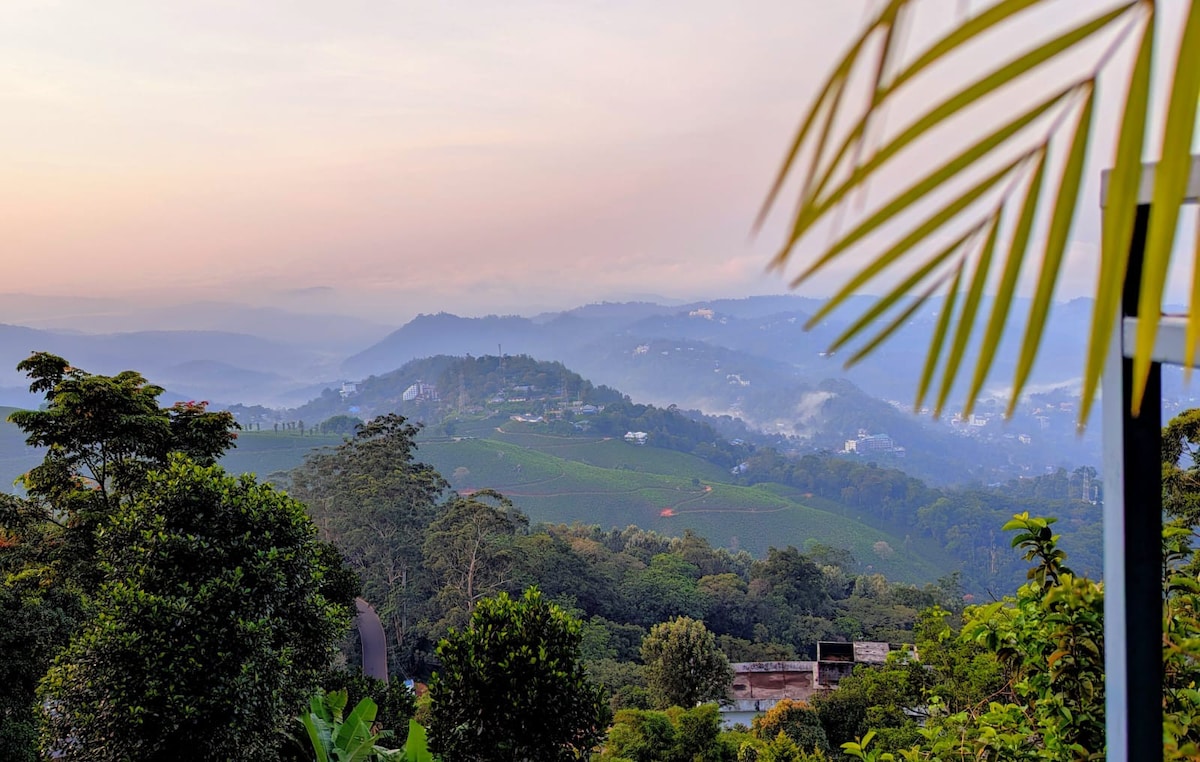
[205,364]
[772,327]
[748,358]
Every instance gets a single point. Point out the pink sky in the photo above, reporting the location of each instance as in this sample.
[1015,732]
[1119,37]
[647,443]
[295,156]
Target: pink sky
[471,156]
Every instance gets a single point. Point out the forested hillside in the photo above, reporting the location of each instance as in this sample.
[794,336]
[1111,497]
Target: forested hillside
[554,443]
[427,554]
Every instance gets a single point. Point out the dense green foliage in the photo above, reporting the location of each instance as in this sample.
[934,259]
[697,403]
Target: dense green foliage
[179,607]
[674,735]
[512,686]
[437,554]
[339,737]
[376,500]
[559,473]
[796,720]
[684,667]
[1026,673]
[433,559]
[217,611]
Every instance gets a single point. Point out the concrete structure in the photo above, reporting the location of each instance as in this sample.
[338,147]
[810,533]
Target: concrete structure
[420,391]
[760,685]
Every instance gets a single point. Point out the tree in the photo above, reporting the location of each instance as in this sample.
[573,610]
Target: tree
[103,435]
[469,549]
[684,666]
[217,611]
[676,735]
[375,501]
[782,748]
[1180,474]
[797,721]
[38,619]
[341,424]
[512,686]
[975,193]
[667,587]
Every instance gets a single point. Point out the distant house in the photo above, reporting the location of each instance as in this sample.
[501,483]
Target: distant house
[528,418]
[876,443]
[636,437]
[836,660]
[420,391]
[348,388]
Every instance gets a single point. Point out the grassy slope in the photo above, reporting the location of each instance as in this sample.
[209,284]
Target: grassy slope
[595,481]
[612,483]
[266,452]
[15,457]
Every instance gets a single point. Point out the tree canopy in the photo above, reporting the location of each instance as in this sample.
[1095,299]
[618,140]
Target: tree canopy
[217,611]
[512,686]
[684,666]
[160,604]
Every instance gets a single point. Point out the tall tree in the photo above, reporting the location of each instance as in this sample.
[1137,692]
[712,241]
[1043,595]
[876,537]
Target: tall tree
[470,550]
[373,499]
[217,612]
[103,435]
[512,686]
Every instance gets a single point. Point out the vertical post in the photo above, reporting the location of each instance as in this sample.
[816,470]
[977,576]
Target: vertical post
[1133,542]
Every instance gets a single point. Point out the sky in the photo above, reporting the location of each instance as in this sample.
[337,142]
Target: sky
[388,157]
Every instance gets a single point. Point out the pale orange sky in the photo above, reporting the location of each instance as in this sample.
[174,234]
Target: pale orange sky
[474,156]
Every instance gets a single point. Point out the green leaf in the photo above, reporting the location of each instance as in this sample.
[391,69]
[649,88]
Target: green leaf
[887,52]
[1119,213]
[930,225]
[966,320]
[416,748]
[361,748]
[1176,148]
[319,740]
[1056,243]
[973,93]
[960,35]
[931,182]
[897,322]
[1002,302]
[938,337]
[904,288]
[832,90]
[1170,188]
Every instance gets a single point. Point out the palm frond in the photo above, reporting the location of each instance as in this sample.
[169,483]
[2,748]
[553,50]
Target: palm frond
[1170,188]
[1117,230]
[837,166]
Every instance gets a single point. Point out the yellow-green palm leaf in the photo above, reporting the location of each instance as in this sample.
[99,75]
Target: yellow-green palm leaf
[985,198]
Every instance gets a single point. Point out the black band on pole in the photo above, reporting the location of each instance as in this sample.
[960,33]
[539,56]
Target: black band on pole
[1142,443]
